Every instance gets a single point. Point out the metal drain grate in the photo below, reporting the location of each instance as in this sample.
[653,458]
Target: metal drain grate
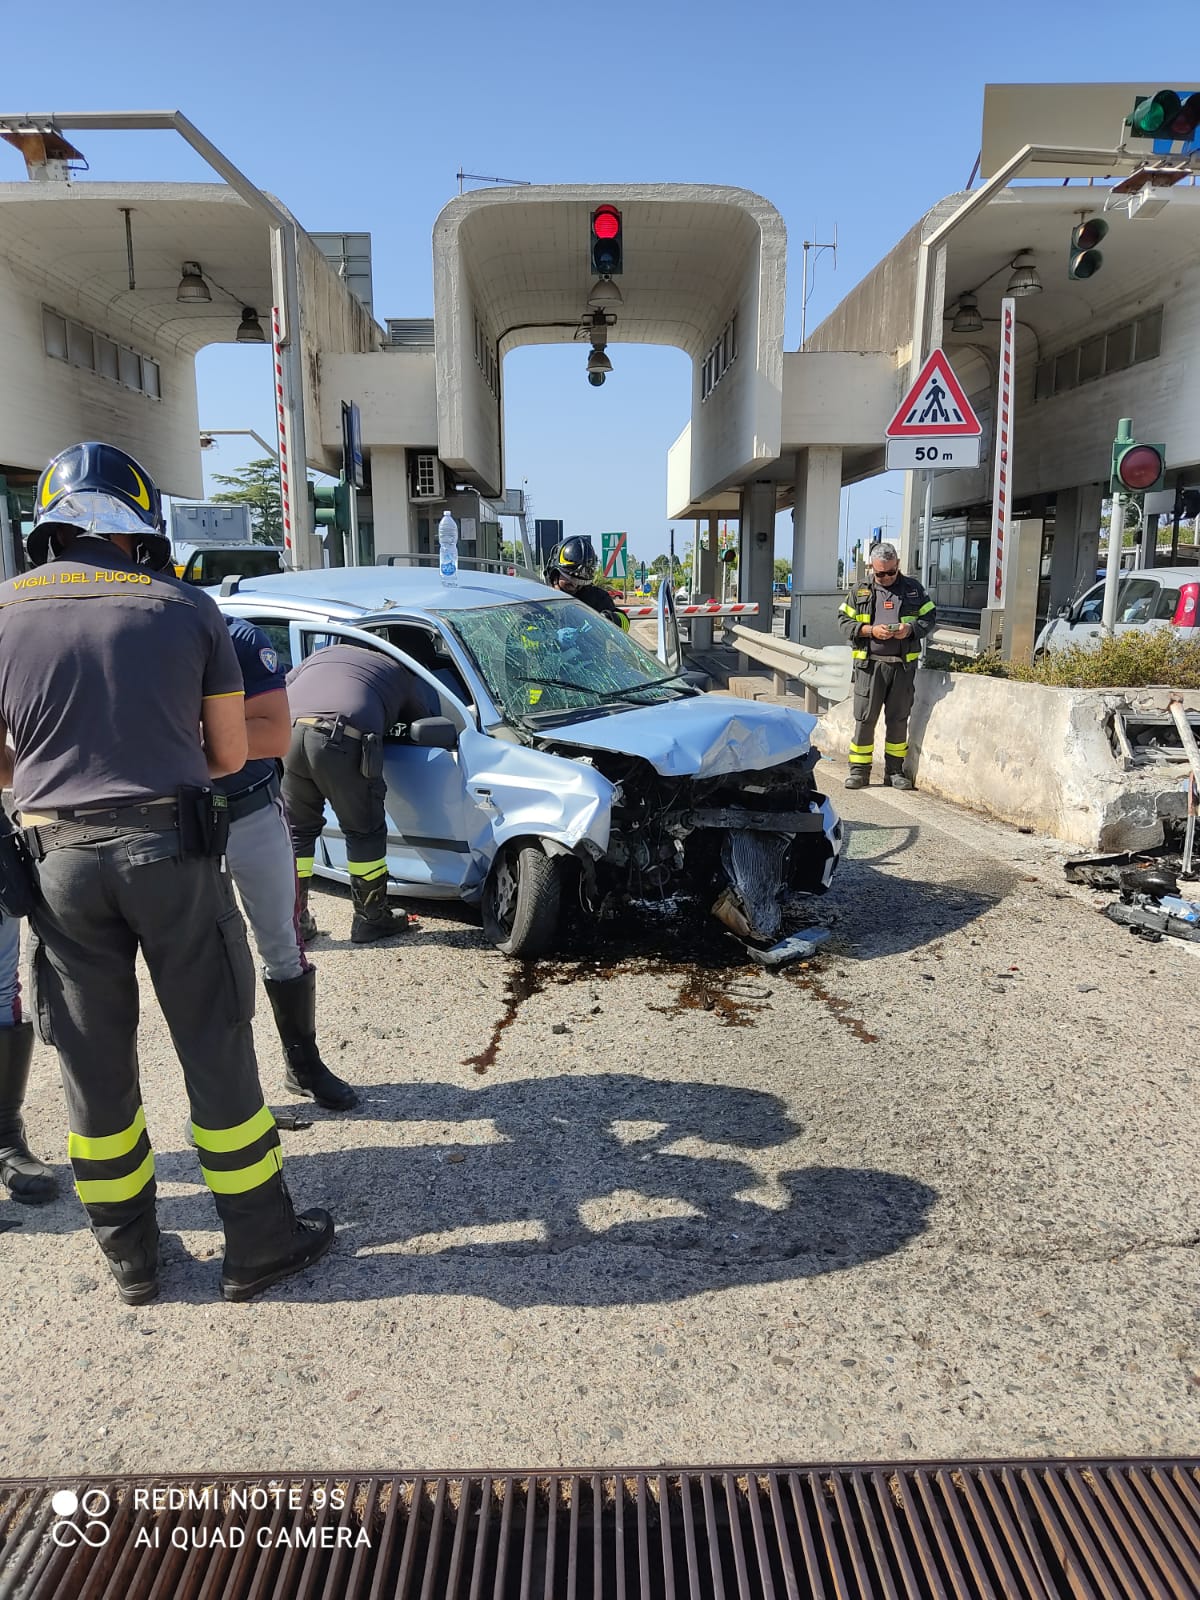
[1075,1530]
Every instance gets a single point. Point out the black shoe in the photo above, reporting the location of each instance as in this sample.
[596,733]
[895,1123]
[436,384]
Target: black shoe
[294,1004]
[135,1290]
[373,919]
[859,778]
[29,1180]
[311,1238]
[899,780]
[127,1232]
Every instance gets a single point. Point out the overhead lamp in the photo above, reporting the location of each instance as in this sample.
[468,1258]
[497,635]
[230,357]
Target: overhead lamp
[1025,278]
[598,361]
[967,318]
[604,292]
[250,330]
[192,288]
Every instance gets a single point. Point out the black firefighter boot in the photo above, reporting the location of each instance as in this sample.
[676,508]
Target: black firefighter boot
[29,1180]
[266,1241]
[294,1002]
[372,917]
[127,1232]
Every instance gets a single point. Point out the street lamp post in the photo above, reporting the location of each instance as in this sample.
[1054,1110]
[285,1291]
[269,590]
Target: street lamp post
[285,275]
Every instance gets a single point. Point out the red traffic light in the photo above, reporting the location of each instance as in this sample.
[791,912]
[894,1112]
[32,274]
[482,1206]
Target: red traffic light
[1141,467]
[1185,123]
[606,222]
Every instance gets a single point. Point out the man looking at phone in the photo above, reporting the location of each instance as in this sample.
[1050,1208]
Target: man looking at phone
[885,621]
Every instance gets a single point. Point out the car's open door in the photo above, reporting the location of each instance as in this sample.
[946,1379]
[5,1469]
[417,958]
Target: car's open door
[668,651]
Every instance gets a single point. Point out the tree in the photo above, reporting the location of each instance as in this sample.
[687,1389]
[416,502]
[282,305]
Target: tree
[783,569]
[256,485]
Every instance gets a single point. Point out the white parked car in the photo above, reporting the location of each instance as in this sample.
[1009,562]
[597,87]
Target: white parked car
[1161,597]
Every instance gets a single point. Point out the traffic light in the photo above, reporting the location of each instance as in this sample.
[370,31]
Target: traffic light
[333,506]
[1136,468]
[1085,260]
[1166,115]
[606,242]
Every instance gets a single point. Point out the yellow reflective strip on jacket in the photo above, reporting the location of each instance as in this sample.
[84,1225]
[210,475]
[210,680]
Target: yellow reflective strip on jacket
[896,749]
[915,656]
[106,1147]
[245,1178]
[858,655]
[304,866]
[848,611]
[928,606]
[862,616]
[98,1191]
[366,869]
[222,1141]
[622,622]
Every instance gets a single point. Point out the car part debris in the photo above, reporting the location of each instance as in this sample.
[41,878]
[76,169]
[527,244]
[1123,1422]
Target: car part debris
[1104,872]
[1150,919]
[796,947]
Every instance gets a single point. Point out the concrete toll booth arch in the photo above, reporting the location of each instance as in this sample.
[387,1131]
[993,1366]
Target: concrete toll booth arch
[704,270]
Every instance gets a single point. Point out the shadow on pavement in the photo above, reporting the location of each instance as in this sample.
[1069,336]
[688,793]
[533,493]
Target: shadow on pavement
[580,1189]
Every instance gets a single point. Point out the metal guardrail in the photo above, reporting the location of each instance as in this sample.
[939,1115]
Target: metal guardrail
[823,675]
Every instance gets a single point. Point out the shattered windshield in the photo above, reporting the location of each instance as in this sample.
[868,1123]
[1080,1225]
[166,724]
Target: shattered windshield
[557,655]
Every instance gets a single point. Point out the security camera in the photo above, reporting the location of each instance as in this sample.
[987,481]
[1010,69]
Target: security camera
[596,378]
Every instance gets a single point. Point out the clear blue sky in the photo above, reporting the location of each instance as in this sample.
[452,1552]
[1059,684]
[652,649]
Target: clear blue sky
[359,117]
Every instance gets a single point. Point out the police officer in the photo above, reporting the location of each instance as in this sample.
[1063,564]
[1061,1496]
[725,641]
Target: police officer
[885,621]
[109,672]
[264,869]
[343,700]
[29,1180]
[571,568]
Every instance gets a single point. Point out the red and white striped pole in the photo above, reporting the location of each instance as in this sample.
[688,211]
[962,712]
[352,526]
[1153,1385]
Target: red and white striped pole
[1002,472]
[285,477]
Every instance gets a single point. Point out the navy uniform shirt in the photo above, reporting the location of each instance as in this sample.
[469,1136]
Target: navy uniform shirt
[103,668]
[885,609]
[369,689]
[261,673]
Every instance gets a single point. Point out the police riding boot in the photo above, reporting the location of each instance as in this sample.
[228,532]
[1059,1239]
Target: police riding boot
[372,917]
[266,1241]
[294,1003]
[307,923]
[127,1232]
[859,778]
[29,1180]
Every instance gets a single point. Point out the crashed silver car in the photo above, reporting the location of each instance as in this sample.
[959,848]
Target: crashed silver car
[565,761]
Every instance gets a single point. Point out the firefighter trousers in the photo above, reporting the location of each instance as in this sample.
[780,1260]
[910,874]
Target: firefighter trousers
[320,768]
[883,685]
[100,904]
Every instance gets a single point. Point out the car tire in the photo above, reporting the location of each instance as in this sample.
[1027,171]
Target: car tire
[521,901]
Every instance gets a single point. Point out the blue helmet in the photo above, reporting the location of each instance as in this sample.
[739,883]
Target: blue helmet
[99,490]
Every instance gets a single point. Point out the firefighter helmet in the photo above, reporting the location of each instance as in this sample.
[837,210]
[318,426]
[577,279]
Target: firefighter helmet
[574,558]
[99,490]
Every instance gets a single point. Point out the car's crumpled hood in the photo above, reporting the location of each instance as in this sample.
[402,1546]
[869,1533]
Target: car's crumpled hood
[698,738]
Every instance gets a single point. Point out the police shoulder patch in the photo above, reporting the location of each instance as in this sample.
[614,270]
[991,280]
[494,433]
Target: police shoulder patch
[269,658]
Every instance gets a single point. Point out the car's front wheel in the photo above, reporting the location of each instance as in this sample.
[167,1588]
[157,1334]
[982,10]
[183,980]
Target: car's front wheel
[521,900]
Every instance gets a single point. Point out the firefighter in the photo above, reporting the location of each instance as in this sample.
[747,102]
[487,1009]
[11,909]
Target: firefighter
[571,568]
[264,870]
[885,621]
[110,672]
[344,699]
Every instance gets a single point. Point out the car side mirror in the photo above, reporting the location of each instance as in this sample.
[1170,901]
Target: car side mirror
[433,733]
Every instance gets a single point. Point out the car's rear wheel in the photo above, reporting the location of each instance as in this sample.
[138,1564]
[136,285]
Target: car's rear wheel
[521,900]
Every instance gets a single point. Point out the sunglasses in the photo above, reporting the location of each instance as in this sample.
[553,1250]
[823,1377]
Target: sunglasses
[886,572]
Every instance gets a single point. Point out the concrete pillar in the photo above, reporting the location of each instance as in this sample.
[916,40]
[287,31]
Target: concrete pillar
[1076,546]
[816,514]
[1021,588]
[700,634]
[394,527]
[756,550]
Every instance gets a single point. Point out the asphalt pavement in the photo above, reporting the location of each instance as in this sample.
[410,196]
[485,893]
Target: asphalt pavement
[932,1195]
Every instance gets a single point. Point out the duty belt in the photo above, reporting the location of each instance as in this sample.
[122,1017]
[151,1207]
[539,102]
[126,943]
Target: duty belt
[59,829]
[329,724]
[256,798]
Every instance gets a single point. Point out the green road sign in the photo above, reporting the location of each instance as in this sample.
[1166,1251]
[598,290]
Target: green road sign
[614,554]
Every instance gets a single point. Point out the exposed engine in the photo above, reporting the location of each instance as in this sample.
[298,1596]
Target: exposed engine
[741,842]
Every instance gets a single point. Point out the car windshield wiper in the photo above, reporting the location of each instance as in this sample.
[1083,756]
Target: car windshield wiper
[553,683]
[639,688]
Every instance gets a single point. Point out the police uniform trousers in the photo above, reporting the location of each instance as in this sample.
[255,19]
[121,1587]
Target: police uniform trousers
[320,767]
[263,867]
[887,684]
[100,904]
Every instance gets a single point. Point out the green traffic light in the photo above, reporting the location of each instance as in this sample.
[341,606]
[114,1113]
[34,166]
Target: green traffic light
[1153,112]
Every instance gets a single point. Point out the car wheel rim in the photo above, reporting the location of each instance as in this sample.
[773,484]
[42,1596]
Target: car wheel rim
[506,890]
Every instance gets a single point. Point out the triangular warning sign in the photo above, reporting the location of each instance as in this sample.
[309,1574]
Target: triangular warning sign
[935,407]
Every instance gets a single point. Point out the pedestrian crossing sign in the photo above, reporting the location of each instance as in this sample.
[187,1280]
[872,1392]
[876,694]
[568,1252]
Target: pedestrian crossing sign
[935,407]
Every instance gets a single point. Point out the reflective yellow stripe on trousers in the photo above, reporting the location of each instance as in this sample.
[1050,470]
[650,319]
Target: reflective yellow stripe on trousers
[235,1160]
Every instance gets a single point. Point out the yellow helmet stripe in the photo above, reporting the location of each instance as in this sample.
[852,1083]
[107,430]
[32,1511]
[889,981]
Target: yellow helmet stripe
[142,497]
